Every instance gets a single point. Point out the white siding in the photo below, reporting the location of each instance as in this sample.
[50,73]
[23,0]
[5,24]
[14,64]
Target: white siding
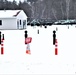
[11,22]
[22,16]
[8,23]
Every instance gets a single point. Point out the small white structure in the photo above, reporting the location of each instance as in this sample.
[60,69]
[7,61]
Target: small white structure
[12,19]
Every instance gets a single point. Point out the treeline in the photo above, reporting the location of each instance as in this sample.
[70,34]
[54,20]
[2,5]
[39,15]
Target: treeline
[8,5]
[52,10]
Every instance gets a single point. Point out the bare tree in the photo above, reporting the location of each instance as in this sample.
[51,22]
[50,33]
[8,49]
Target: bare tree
[67,8]
[54,13]
[42,13]
[32,9]
[62,9]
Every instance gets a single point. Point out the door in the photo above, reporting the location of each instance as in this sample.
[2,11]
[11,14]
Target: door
[19,24]
[24,24]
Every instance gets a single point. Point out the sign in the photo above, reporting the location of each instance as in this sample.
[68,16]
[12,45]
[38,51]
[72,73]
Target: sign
[28,40]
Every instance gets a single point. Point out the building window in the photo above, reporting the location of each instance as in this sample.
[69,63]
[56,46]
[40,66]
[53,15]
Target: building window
[20,22]
[0,22]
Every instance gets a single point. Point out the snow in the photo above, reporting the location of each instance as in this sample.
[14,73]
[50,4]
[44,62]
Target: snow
[17,0]
[42,59]
[8,13]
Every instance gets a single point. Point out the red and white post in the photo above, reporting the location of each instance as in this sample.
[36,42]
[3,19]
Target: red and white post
[2,46]
[28,49]
[56,47]
[27,42]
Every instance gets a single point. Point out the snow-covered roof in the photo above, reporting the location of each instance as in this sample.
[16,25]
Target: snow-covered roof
[9,13]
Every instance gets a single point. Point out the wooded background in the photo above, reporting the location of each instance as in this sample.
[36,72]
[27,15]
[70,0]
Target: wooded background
[52,10]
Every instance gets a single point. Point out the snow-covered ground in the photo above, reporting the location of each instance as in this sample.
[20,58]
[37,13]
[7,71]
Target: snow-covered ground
[42,59]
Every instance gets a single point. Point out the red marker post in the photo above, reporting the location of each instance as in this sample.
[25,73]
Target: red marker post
[2,47]
[28,49]
[27,42]
[56,47]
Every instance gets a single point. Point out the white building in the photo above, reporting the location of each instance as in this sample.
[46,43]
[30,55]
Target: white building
[12,19]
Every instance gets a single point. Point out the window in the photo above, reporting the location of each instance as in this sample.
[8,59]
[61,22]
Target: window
[20,22]
[0,22]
